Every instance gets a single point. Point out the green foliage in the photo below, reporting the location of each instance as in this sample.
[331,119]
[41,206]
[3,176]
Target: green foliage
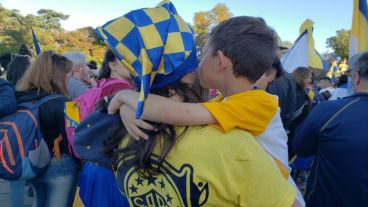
[48,19]
[15,30]
[340,43]
[205,21]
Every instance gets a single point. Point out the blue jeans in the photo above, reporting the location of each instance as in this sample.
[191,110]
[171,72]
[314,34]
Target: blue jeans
[17,192]
[57,184]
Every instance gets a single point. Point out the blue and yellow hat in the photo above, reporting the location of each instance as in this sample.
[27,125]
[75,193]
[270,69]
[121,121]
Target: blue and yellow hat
[155,44]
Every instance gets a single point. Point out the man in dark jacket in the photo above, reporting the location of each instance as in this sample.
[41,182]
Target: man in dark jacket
[336,132]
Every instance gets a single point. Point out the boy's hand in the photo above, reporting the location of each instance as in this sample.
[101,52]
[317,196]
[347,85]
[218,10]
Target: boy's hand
[132,125]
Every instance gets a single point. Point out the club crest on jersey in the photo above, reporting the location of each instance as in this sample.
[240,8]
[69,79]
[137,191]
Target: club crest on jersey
[175,187]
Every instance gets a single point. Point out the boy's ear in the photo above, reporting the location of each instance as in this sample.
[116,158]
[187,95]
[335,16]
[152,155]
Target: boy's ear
[224,62]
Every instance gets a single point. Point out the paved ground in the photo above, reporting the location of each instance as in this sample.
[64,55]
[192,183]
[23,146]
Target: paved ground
[5,196]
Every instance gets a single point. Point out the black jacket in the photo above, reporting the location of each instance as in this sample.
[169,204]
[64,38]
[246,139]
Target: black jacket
[51,116]
[285,88]
[304,105]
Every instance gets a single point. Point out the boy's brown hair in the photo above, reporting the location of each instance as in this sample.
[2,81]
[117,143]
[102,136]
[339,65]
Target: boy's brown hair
[248,42]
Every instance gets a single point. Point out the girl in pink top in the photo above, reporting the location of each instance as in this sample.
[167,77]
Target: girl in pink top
[97,185]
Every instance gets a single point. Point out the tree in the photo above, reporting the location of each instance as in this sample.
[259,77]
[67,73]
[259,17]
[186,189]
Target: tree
[11,30]
[201,28]
[15,30]
[205,21]
[50,20]
[340,43]
[220,13]
[84,40]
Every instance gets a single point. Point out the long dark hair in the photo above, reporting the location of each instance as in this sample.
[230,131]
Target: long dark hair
[16,68]
[23,50]
[105,71]
[4,61]
[165,136]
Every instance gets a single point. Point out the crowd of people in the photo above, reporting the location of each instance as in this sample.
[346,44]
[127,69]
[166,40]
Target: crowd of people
[146,131]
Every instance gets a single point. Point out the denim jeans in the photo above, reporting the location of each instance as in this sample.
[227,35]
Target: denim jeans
[17,192]
[57,184]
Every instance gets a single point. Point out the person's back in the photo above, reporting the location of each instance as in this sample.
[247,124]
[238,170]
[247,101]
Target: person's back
[47,75]
[339,167]
[51,116]
[335,131]
[228,169]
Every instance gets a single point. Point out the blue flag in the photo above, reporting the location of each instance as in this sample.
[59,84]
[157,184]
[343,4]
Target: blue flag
[35,42]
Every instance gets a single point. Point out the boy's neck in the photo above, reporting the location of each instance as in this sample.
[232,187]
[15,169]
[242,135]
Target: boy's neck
[236,85]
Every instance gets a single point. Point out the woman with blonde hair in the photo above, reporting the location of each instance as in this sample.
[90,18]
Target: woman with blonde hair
[303,78]
[49,74]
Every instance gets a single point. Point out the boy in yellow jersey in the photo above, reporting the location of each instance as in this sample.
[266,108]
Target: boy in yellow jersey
[237,54]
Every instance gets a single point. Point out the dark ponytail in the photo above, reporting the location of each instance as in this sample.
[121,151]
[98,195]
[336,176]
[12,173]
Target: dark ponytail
[105,71]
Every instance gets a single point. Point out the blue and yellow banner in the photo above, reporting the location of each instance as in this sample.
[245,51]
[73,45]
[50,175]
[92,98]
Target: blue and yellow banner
[359,28]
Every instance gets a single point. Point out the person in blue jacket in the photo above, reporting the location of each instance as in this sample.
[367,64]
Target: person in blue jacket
[8,103]
[336,132]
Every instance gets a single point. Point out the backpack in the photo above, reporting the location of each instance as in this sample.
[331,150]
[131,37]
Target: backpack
[23,150]
[78,109]
[90,135]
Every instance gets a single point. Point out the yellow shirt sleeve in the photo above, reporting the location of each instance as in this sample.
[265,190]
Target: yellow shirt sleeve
[262,183]
[251,111]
